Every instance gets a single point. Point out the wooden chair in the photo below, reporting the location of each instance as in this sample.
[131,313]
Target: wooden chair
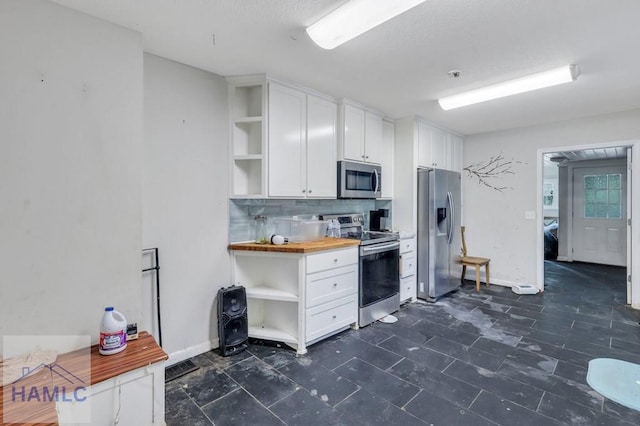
[478,262]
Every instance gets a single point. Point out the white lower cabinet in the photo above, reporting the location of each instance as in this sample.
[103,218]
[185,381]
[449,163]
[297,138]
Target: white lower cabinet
[408,289]
[135,398]
[329,317]
[298,298]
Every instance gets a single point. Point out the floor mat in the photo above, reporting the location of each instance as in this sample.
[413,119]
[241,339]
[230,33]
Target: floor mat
[617,380]
[179,369]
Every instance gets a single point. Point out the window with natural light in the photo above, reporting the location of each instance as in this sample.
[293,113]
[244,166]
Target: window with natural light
[603,196]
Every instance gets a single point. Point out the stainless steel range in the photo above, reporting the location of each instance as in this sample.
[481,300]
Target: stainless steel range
[379,277]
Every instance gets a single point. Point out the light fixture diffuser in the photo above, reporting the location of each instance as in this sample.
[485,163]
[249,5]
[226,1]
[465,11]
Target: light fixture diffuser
[553,77]
[354,18]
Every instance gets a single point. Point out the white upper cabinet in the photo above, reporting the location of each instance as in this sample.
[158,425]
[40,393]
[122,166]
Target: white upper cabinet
[302,144]
[372,137]
[352,133]
[287,141]
[246,105]
[455,143]
[386,160]
[438,149]
[361,134]
[322,116]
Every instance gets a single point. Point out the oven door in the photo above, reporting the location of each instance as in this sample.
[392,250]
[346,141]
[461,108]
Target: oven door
[356,180]
[379,272]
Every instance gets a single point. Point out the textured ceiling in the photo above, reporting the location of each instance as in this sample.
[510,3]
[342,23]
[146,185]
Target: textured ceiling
[401,66]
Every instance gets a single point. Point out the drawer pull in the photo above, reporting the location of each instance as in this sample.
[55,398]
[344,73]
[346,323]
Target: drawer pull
[335,260]
[334,317]
[335,284]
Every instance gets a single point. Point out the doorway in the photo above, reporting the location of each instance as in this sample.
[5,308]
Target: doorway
[599,213]
[586,198]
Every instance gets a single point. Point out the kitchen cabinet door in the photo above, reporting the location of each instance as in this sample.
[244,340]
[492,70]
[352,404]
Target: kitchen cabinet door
[439,148]
[456,153]
[321,147]
[424,145]
[353,133]
[287,142]
[386,160]
[372,138]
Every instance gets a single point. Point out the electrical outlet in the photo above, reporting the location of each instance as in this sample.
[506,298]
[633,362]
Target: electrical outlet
[530,214]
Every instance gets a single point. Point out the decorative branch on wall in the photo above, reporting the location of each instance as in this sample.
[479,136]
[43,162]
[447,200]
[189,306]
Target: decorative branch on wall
[488,172]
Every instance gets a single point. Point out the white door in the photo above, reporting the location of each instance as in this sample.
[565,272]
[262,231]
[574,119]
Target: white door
[372,137]
[322,116]
[353,136]
[599,215]
[386,160]
[439,141]
[287,134]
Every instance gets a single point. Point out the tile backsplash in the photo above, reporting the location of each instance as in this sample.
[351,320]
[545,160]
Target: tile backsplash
[243,211]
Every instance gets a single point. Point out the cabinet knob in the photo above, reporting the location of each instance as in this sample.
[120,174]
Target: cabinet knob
[335,284]
[309,191]
[334,317]
[335,260]
[304,190]
[366,156]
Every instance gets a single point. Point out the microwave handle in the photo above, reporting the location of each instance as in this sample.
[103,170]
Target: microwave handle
[376,187]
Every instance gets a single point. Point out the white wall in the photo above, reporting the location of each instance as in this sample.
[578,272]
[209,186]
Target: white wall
[496,224]
[70,148]
[185,197]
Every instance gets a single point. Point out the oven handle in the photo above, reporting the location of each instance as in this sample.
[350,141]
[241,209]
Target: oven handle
[380,248]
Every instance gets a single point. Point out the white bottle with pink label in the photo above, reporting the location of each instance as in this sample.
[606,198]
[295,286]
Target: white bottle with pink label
[113,332]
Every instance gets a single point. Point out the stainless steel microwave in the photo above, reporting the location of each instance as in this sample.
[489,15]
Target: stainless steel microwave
[359,180]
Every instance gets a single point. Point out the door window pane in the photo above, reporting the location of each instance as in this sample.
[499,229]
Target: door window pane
[614,181]
[614,210]
[589,210]
[601,182]
[603,196]
[614,196]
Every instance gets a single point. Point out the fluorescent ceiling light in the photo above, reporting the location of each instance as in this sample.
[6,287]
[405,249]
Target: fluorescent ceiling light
[354,18]
[540,80]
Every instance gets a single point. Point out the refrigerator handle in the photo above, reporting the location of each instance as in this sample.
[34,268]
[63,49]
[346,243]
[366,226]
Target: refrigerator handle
[451,217]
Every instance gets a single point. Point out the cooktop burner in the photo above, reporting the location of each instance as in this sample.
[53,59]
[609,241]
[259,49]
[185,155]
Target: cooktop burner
[352,226]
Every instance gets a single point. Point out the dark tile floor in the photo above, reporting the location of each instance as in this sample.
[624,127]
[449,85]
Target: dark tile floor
[470,359]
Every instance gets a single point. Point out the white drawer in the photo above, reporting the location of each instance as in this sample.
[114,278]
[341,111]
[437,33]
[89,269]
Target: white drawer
[407,288]
[328,317]
[331,259]
[323,287]
[407,265]
[407,245]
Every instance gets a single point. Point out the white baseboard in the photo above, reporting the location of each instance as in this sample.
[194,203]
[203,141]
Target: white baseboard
[563,259]
[494,281]
[190,352]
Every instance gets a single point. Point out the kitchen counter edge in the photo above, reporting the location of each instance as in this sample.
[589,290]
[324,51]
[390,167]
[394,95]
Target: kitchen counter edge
[326,243]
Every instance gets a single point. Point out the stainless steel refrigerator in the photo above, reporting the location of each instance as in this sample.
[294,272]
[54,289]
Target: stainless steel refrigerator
[439,241]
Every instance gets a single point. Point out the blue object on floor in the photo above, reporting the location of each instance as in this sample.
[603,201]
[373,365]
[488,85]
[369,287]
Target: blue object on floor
[617,380]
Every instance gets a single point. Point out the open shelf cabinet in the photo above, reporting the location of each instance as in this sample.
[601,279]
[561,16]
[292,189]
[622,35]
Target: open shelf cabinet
[247,98]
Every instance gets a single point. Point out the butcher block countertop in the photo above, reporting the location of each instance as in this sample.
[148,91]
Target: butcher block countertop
[306,247]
